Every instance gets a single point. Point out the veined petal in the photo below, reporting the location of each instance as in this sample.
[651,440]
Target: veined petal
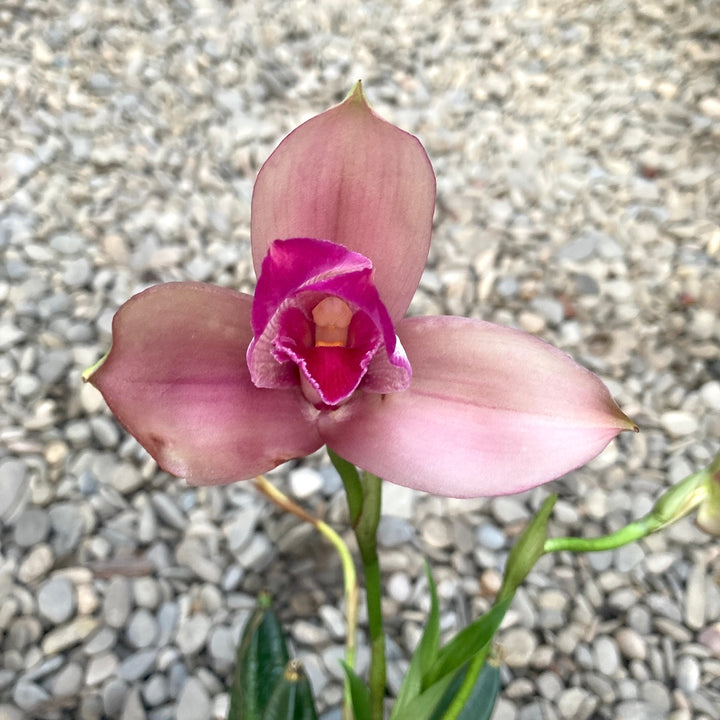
[176,377]
[490,411]
[352,178]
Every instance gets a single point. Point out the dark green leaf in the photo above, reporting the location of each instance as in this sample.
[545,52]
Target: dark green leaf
[481,703]
[291,698]
[359,694]
[423,658]
[261,659]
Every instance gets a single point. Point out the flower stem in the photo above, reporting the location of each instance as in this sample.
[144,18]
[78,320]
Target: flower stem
[366,533]
[672,505]
[350,578]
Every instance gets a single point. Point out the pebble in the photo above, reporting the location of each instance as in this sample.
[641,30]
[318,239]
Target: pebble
[31,528]
[194,701]
[679,424]
[631,644]
[101,667]
[606,655]
[56,600]
[305,482]
[117,603]
[518,645]
[133,709]
[142,629]
[138,665]
[193,633]
[13,488]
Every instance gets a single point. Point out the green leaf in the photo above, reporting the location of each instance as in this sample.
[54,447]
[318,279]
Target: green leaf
[423,658]
[481,703]
[351,480]
[291,698]
[476,637]
[422,706]
[359,694]
[260,661]
[528,549]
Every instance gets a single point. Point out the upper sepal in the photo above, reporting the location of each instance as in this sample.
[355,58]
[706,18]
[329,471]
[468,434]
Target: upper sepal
[350,177]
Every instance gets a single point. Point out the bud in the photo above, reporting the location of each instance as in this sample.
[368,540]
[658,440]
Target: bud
[708,518]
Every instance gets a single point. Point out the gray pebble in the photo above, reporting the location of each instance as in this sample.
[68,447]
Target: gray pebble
[394,531]
[305,482]
[134,709]
[142,629]
[56,600]
[101,667]
[31,527]
[138,665]
[155,690]
[13,488]
[114,694]
[28,695]
[222,645]
[68,680]
[490,536]
[688,674]
[194,701]
[606,655]
[193,633]
[117,603]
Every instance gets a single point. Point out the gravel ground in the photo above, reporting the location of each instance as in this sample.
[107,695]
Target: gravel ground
[577,148]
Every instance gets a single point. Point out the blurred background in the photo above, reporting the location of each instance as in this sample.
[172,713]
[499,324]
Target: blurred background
[577,150]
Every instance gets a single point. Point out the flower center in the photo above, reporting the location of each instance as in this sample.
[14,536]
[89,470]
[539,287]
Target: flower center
[332,318]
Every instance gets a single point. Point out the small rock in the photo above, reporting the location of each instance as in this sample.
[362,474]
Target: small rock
[518,645]
[116,606]
[134,709]
[194,702]
[399,587]
[56,600]
[31,527]
[193,633]
[14,490]
[688,674]
[138,665]
[606,655]
[100,668]
[394,531]
[27,695]
[436,532]
[68,635]
[678,423]
[631,644]
[142,629]
[305,482]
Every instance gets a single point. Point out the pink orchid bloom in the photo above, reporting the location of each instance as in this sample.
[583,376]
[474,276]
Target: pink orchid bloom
[221,386]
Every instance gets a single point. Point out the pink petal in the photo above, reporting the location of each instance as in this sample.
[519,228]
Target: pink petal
[297,274]
[490,411]
[176,377]
[350,177]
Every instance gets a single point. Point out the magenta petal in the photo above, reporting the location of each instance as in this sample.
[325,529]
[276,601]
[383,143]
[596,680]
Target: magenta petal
[176,377]
[350,177]
[297,274]
[490,411]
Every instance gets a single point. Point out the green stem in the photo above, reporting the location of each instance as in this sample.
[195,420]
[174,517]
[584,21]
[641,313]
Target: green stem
[366,534]
[672,505]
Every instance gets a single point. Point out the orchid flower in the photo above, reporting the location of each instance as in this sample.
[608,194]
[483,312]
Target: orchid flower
[220,386]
